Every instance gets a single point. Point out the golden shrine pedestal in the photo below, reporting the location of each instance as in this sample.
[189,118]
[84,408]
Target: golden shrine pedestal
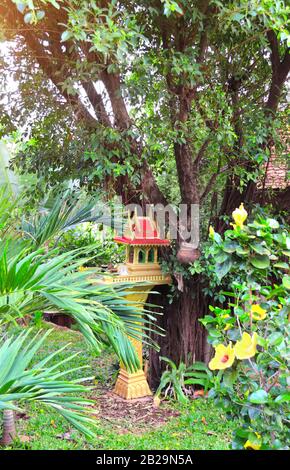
[134,385]
[142,240]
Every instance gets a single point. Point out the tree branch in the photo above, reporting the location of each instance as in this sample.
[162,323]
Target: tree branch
[201,152]
[96,101]
[112,83]
[280,70]
[48,65]
[211,182]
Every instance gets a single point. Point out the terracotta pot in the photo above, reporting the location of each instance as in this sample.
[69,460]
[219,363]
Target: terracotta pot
[187,253]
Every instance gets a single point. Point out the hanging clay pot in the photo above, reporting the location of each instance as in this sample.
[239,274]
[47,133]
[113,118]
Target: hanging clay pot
[187,253]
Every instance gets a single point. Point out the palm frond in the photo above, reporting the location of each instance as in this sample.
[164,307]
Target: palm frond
[66,212]
[41,382]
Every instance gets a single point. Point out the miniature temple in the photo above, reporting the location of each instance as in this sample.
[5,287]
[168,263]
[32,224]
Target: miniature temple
[142,239]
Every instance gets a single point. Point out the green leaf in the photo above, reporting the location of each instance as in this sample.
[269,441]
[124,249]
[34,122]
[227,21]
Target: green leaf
[215,333]
[242,251]
[275,338]
[21,7]
[261,250]
[221,257]
[284,397]
[273,223]
[281,265]
[223,268]
[201,382]
[217,238]
[55,4]
[230,376]
[28,18]
[259,397]
[65,36]
[286,282]
[40,14]
[238,17]
[230,246]
[260,261]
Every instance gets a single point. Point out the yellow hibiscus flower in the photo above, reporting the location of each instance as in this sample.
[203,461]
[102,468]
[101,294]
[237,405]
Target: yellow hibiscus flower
[239,216]
[228,326]
[258,313]
[247,347]
[223,358]
[253,446]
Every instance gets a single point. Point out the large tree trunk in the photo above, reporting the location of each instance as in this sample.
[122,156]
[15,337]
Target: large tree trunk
[185,339]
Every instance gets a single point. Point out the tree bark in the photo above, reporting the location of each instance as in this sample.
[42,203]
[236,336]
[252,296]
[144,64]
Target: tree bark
[9,430]
[185,339]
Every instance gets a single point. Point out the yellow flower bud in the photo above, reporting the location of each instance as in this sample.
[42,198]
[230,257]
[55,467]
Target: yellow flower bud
[251,446]
[239,216]
[211,231]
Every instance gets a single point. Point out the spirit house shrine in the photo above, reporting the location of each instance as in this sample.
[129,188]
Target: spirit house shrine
[142,239]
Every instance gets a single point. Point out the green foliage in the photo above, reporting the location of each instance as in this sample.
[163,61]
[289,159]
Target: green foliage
[37,279]
[252,260]
[66,211]
[104,252]
[34,279]
[177,381]
[43,382]
[7,208]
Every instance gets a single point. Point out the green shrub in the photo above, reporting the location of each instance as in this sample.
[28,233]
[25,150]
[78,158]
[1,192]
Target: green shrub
[177,381]
[251,333]
[105,252]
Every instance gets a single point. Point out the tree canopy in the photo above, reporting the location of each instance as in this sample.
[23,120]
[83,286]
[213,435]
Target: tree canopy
[123,91]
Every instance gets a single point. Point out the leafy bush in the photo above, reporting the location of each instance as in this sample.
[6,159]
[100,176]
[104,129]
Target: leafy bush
[176,381]
[105,251]
[251,335]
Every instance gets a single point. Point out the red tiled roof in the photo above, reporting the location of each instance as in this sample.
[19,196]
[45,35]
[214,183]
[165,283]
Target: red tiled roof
[277,170]
[276,174]
[142,241]
[142,231]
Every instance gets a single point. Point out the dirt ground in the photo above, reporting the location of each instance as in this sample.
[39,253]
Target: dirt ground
[126,413]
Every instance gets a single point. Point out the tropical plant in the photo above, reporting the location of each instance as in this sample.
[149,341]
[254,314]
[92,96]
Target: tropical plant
[21,381]
[7,177]
[64,212]
[7,205]
[37,280]
[177,381]
[251,333]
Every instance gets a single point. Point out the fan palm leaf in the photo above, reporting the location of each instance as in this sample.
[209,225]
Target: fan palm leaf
[66,212]
[20,381]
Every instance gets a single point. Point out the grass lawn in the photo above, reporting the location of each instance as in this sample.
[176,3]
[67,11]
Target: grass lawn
[121,425]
